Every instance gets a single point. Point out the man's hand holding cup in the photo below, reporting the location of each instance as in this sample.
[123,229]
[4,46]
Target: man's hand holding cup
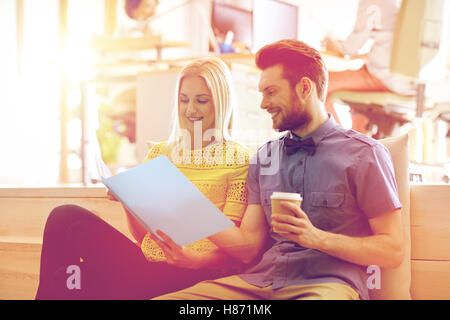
[291,222]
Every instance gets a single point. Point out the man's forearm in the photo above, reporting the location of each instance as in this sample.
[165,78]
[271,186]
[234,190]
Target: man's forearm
[237,243]
[245,242]
[384,248]
[218,259]
[372,250]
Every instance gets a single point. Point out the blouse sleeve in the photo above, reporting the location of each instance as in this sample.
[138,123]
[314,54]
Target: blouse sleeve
[148,246]
[237,194]
[155,151]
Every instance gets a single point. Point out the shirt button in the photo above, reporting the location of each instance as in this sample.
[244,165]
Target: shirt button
[324,202]
[300,163]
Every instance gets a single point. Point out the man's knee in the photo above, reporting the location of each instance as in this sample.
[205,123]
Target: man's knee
[192,293]
[330,291]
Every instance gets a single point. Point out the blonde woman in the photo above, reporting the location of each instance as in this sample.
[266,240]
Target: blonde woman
[114,267]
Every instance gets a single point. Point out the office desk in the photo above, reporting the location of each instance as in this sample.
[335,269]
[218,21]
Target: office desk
[111,44]
[337,63]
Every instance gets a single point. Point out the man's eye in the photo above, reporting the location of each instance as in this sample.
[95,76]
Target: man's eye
[269,93]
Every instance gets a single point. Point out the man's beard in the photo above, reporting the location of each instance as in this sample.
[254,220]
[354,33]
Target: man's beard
[297,117]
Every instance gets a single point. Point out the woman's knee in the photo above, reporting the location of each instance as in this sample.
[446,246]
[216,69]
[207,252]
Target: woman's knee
[64,215]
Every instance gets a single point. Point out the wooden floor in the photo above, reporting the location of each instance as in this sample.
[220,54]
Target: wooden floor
[23,213]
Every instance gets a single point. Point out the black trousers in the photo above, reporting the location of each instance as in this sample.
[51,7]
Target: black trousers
[83,257]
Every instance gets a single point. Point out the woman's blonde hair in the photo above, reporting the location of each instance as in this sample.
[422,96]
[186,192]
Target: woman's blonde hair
[220,83]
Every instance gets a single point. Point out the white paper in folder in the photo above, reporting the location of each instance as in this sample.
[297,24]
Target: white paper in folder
[162,198]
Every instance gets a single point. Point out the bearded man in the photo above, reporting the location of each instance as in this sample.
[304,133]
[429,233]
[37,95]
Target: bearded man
[349,218]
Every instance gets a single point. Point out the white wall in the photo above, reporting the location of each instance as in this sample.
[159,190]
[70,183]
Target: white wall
[29,129]
[321,17]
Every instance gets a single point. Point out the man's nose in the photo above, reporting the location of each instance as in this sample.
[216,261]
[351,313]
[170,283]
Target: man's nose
[265,103]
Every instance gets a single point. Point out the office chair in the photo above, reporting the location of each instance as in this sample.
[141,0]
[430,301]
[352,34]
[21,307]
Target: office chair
[419,54]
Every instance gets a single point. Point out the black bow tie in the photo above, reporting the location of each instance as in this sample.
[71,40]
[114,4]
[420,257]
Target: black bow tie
[292,146]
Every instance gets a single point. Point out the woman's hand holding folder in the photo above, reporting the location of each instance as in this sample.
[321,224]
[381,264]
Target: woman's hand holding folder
[180,256]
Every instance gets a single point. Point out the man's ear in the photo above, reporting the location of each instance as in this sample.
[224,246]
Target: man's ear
[304,88]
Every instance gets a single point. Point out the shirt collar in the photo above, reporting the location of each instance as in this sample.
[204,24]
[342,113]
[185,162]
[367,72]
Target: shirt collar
[318,134]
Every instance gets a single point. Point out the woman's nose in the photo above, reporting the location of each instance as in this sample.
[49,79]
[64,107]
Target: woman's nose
[191,108]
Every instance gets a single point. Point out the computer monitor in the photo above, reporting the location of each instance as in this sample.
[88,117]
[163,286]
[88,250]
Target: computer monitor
[226,17]
[265,22]
[272,21]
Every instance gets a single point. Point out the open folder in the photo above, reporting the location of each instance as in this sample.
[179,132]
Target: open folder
[162,198]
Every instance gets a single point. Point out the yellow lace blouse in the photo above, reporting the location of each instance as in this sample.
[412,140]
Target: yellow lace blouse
[219,171]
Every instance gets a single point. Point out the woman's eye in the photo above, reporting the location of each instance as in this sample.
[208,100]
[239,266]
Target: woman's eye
[202,101]
[184,100]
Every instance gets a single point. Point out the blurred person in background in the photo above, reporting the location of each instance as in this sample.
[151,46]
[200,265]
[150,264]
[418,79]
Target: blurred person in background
[375,21]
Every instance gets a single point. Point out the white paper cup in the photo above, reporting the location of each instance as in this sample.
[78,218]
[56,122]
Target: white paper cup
[277,197]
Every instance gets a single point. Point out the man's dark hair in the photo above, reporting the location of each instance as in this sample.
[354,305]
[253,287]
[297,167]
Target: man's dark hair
[298,60]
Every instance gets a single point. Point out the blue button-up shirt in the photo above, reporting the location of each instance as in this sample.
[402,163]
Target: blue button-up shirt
[349,179]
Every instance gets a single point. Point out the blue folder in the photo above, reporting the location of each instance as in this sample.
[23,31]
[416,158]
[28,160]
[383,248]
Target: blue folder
[162,198]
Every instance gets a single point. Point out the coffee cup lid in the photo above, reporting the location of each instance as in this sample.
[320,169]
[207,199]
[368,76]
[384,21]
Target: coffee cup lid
[286,196]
